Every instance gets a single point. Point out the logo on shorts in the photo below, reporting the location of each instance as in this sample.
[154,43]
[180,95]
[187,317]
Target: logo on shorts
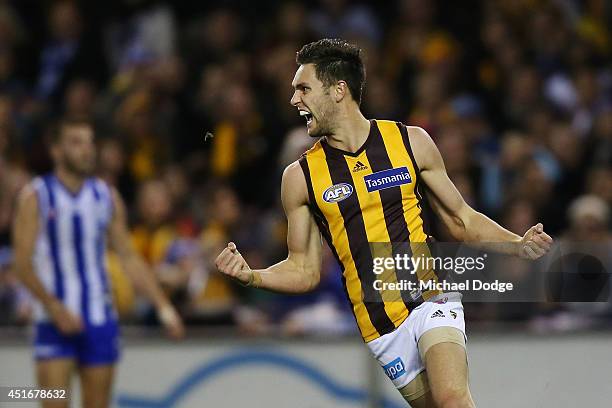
[337,192]
[387,179]
[454,314]
[438,313]
[395,369]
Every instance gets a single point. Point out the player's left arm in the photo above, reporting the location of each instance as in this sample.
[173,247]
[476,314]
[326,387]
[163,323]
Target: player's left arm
[139,273]
[464,223]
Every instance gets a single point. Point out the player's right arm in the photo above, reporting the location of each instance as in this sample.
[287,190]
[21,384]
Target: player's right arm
[25,232]
[300,271]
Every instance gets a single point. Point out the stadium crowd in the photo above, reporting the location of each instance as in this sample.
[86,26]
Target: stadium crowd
[517,96]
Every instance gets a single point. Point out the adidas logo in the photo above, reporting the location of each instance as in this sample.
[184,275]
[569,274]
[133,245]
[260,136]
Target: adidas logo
[359,166]
[438,313]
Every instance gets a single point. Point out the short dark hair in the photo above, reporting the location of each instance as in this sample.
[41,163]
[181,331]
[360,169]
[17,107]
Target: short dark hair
[58,127]
[335,60]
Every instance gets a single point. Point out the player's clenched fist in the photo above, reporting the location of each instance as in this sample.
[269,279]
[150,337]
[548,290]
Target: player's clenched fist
[535,243]
[231,263]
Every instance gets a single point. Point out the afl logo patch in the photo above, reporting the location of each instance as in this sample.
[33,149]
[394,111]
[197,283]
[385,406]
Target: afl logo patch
[337,192]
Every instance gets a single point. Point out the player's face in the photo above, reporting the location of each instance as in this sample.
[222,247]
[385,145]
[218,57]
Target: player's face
[313,101]
[76,150]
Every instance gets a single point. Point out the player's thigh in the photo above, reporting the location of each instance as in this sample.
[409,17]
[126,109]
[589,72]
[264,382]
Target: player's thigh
[97,354]
[447,374]
[424,401]
[417,393]
[55,373]
[96,385]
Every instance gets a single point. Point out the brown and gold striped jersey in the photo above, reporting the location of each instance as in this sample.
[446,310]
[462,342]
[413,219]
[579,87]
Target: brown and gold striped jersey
[367,204]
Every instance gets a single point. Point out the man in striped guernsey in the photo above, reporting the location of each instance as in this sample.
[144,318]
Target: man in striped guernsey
[362,187]
[61,228]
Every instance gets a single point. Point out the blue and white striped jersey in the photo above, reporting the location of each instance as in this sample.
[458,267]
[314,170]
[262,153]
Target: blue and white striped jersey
[70,248]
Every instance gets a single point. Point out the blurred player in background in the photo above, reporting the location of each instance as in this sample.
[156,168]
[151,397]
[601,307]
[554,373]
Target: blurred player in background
[60,230]
[360,183]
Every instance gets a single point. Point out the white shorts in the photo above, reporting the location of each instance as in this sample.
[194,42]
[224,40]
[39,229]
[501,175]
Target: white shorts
[398,353]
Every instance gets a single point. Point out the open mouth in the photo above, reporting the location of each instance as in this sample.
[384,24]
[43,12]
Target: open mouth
[307,115]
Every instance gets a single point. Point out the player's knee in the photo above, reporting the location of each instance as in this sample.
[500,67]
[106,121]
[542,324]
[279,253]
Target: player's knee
[453,398]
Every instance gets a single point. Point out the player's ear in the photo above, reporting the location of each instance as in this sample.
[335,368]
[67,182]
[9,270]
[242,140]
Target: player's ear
[340,91]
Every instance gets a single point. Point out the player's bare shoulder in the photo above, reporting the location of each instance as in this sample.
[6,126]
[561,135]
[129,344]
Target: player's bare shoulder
[294,192]
[26,221]
[116,199]
[425,150]
[27,200]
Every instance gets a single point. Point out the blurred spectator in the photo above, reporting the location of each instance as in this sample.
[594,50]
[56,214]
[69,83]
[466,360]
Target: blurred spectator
[295,143]
[291,16]
[201,294]
[340,19]
[147,147]
[9,82]
[71,51]
[148,35]
[589,220]
[581,270]
[601,150]
[381,100]
[324,312]
[223,210]
[154,230]
[112,163]
[178,187]
[12,31]
[599,183]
